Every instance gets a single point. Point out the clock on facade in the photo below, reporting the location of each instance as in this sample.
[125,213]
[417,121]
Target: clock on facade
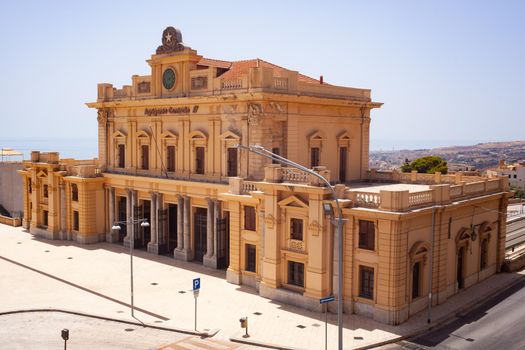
[169,78]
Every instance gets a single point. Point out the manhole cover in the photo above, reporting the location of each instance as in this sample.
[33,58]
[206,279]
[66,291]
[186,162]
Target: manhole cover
[129,329]
[257,313]
[153,283]
[206,329]
[18,242]
[182,291]
[301,326]
[120,312]
[316,325]
[469,339]
[47,251]
[69,258]
[358,338]
[157,321]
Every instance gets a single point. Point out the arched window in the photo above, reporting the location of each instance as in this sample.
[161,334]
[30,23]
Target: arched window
[418,256]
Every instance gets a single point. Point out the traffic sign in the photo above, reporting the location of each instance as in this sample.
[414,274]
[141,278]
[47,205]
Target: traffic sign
[196,283]
[326,299]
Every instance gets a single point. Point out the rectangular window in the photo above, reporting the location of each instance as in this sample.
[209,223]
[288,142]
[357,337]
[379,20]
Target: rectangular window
[232,161]
[296,229]
[366,235]
[249,218]
[251,257]
[343,155]
[29,186]
[46,191]
[199,160]
[121,156]
[366,282]
[484,254]
[416,278]
[170,155]
[314,156]
[45,218]
[75,220]
[277,151]
[296,273]
[145,157]
[74,192]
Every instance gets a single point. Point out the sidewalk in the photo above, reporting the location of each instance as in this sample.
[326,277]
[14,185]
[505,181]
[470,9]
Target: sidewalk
[95,279]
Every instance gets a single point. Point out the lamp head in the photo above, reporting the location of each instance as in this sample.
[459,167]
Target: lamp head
[327,208]
[144,224]
[115,227]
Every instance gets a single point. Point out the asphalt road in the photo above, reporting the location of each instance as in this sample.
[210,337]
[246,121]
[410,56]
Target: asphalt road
[495,324]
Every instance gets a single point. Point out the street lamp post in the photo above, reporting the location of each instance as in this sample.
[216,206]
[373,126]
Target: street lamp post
[116,226]
[259,150]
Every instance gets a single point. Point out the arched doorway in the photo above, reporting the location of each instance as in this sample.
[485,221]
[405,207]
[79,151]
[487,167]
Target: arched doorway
[459,272]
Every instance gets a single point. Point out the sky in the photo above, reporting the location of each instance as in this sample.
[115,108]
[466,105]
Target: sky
[448,72]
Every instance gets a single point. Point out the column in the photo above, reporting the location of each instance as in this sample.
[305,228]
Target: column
[216,217]
[153,246]
[208,258]
[180,218]
[63,233]
[185,254]
[161,221]
[112,237]
[260,252]
[130,202]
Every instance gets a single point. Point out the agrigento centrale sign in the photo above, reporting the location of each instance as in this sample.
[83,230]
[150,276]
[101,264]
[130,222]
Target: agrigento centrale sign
[170,110]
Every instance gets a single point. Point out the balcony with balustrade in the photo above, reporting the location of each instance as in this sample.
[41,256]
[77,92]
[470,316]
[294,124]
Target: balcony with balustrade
[385,191]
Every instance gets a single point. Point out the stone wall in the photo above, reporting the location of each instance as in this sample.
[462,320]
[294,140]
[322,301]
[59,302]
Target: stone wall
[11,191]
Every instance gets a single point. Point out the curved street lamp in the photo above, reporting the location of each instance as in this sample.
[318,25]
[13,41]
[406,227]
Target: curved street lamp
[116,226]
[260,150]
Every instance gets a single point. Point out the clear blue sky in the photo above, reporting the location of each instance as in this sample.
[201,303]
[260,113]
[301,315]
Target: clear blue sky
[447,71]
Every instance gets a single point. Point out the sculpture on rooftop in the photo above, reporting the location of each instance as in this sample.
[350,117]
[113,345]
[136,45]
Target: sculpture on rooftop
[171,41]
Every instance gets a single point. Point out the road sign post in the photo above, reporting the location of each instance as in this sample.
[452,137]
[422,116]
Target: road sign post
[325,301]
[196,289]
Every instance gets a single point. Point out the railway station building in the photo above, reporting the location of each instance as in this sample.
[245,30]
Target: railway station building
[167,152]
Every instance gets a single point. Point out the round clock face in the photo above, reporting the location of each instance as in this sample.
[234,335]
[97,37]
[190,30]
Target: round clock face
[169,78]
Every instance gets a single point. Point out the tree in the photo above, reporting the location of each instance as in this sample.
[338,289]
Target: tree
[427,165]
[518,192]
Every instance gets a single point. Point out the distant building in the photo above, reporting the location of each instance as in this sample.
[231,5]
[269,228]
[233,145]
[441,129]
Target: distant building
[167,153]
[515,172]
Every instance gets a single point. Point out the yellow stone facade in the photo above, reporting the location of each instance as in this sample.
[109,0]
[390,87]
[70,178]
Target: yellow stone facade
[167,153]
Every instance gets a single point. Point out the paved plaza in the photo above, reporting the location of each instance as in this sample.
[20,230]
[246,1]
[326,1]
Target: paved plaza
[95,279]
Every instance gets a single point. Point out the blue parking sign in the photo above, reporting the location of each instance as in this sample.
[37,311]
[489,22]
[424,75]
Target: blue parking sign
[196,283]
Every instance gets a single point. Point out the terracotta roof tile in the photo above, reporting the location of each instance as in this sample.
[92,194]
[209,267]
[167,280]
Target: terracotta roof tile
[210,62]
[240,68]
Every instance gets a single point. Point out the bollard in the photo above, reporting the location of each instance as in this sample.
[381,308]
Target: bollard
[244,324]
[65,336]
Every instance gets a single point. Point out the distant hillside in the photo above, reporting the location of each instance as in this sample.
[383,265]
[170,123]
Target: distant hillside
[482,155]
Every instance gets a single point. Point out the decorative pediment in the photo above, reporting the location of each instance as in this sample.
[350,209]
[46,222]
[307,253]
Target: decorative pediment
[229,135]
[42,173]
[293,201]
[168,135]
[420,248]
[464,234]
[119,134]
[317,135]
[197,134]
[141,134]
[343,139]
